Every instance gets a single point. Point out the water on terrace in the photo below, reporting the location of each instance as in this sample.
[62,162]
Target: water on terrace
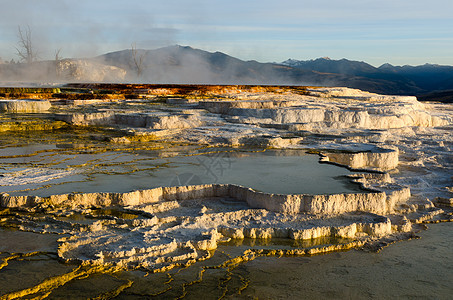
[45,169]
[81,160]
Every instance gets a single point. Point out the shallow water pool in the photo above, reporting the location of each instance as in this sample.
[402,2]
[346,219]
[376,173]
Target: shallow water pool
[47,170]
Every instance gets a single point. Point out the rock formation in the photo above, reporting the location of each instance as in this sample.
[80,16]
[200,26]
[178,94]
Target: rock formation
[24,106]
[388,138]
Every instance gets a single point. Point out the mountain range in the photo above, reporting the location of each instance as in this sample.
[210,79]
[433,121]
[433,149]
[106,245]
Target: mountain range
[409,79]
[185,65]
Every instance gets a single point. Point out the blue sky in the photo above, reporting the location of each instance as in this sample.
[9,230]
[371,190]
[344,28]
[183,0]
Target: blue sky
[395,31]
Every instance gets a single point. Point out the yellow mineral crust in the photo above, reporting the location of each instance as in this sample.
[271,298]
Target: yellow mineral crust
[161,228]
[43,289]
[184,223]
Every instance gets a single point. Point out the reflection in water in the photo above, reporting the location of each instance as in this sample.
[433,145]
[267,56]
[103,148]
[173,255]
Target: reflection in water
[46,170]
[399,271]
[115,213]
[88,282]
[29,261]
[413,269]
[278,243]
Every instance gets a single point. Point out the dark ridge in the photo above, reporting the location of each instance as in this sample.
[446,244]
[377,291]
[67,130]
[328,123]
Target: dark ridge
[442,96]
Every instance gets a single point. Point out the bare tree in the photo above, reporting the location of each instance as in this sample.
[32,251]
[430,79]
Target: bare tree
[25,50]
[57,55]
[58,59]
[137,60]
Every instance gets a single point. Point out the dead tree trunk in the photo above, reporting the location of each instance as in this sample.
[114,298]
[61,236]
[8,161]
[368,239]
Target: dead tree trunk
[25,49]
[137,60]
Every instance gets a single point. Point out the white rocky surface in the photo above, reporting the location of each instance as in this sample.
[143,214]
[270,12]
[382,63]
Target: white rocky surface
[24,106]
[380,158]
[31,176]
[146,120]
[331,108]
[409,143]
[373,202]
[182,223]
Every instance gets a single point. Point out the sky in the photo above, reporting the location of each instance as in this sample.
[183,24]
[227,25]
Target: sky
[399,32]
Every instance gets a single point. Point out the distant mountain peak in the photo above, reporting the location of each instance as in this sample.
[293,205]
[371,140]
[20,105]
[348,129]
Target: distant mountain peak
[290,61]
[386,65]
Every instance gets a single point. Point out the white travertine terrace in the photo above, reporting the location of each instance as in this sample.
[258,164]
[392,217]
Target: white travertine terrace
[207,214]
[372,202]
[380,159]
[189,219]
[24,106]
[331,108]
[390,134]
[151,121]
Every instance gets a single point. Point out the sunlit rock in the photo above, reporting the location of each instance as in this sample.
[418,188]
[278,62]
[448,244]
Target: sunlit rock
[330,108]
[98,118]
[379,158]
[398,138]
[24,106]
[144,120]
